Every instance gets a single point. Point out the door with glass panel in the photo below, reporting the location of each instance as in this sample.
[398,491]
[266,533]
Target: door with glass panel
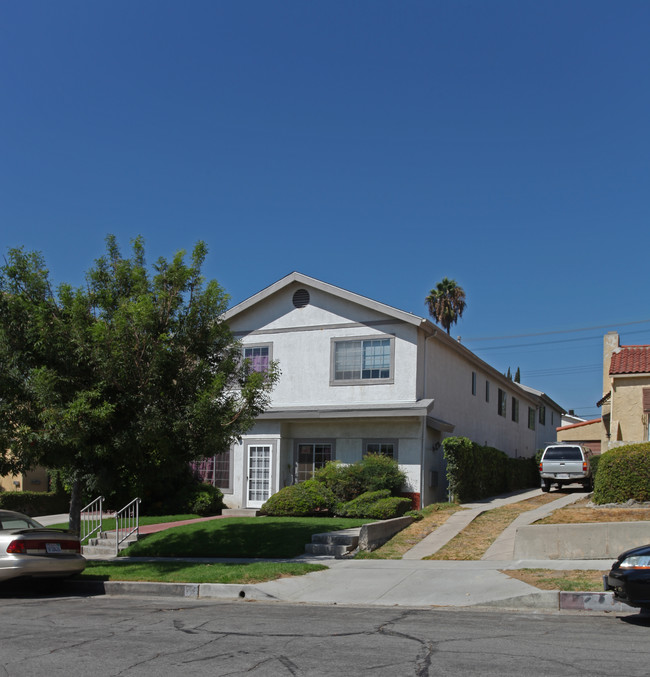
[258,484]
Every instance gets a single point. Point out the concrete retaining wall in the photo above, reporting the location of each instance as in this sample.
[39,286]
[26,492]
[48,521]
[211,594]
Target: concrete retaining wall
[579,541]
[376,534]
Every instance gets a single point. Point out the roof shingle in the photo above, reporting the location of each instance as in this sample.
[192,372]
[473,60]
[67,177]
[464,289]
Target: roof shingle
[631,360]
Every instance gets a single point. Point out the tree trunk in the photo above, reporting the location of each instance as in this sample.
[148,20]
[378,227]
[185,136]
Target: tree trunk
[75,506]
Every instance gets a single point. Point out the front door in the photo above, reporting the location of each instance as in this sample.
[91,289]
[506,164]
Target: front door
[258,484]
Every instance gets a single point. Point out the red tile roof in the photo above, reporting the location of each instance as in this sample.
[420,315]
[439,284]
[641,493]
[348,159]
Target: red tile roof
[631,360]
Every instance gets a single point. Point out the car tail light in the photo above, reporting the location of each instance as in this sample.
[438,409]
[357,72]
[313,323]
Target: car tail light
[540,466]
[584,466]
[17,548]
[40,546]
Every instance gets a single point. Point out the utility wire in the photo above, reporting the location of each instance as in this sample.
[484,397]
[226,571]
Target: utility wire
[554,331]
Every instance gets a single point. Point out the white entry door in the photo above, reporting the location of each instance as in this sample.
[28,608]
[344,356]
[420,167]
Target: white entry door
[258,485]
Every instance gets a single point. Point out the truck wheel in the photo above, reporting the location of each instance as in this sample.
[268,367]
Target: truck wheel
[546,485]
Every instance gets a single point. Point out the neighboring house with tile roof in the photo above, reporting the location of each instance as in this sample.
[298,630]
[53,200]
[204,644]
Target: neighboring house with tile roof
[583,432]
[360,376]
[626,393]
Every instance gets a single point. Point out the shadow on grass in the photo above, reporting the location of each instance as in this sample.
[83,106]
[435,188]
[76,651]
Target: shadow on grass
[266,537]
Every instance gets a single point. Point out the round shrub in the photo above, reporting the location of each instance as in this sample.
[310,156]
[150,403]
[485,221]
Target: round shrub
[344,481]
[205,500]
[623,473]
[300,500]
[381,472]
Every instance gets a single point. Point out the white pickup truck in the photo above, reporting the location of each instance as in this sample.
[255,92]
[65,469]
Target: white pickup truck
[566,463]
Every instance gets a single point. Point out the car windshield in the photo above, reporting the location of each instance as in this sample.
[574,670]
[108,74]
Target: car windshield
[563,454]
[10,523]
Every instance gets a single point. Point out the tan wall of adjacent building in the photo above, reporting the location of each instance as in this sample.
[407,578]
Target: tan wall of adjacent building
[34,480]
[628,422]
[582,433]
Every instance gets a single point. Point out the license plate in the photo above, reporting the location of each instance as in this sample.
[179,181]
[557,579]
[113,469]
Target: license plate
[562,476]
[52,548]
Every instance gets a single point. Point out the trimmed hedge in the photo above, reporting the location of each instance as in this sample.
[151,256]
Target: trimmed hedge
[475,472]
[373,472]
[623,474]
[359,506]
[305,499]
[379,505]
[34,503]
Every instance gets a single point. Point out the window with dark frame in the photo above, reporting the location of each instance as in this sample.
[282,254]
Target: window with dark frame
[531,418]
[542,415]
[385,448]
[473,383]
[501,403]
[515,409]
[487,391]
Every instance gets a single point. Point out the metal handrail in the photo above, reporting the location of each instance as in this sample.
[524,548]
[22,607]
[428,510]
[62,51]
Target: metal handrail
[91,519]
[127,523]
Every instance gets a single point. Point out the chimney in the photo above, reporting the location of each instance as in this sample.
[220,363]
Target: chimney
[611,342]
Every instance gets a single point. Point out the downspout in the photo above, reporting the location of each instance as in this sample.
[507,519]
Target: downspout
[423,423]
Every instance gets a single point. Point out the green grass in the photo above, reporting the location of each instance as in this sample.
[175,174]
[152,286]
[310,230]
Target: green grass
[186,572]
[108,524]
[263,537]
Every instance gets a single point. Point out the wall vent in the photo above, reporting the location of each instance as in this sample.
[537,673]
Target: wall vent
[301,298]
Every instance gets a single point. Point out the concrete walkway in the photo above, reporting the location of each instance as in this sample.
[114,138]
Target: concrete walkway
[460,519]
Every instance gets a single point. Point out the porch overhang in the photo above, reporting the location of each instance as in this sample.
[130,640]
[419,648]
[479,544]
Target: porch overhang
[421,408]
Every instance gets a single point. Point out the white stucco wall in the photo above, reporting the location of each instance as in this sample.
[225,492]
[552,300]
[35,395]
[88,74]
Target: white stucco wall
[301,341]
[449,382]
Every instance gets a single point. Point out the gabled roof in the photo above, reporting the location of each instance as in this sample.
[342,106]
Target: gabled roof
[364,301]
[630,360]
[429,327]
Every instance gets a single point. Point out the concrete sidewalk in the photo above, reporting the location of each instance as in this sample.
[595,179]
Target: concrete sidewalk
[410,582]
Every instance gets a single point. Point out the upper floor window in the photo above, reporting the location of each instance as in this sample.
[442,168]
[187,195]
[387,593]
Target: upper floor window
[501,404]
[363,360]
[487,391]
[473,383]
[515,409]
[531,418]
[259,357]
[542,415]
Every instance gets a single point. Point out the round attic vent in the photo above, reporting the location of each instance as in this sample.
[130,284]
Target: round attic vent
[301,298]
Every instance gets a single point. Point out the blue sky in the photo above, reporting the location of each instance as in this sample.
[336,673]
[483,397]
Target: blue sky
[375,145]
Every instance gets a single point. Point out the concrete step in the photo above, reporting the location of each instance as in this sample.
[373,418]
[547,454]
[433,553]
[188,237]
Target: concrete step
[239,512]
[333,543]
[324,549]
[104,545]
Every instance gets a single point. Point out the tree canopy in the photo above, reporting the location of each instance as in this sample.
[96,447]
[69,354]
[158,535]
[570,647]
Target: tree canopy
[122,382]
[446,303]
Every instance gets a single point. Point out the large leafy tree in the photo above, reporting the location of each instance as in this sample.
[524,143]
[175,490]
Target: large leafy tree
[123,380]
[446,302]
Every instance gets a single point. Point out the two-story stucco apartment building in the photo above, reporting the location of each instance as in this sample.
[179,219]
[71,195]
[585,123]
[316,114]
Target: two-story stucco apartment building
[359,376]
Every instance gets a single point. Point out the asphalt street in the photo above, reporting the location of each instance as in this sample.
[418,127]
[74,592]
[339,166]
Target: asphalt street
[142,637]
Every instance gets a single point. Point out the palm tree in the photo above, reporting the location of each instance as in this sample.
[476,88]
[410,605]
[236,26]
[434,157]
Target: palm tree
[446,302]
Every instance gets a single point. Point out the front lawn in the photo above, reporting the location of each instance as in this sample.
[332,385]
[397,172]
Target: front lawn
[189,572]
[263,537]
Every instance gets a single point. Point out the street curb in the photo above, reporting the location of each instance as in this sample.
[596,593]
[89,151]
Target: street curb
[222,591]
[544,600]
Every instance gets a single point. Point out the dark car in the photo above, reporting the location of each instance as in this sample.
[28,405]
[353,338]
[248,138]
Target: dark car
[630,577]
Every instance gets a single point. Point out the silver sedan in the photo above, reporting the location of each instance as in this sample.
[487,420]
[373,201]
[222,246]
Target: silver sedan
[27,548]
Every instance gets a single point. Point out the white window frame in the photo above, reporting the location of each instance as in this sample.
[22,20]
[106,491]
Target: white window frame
[360,380]
[253,346]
